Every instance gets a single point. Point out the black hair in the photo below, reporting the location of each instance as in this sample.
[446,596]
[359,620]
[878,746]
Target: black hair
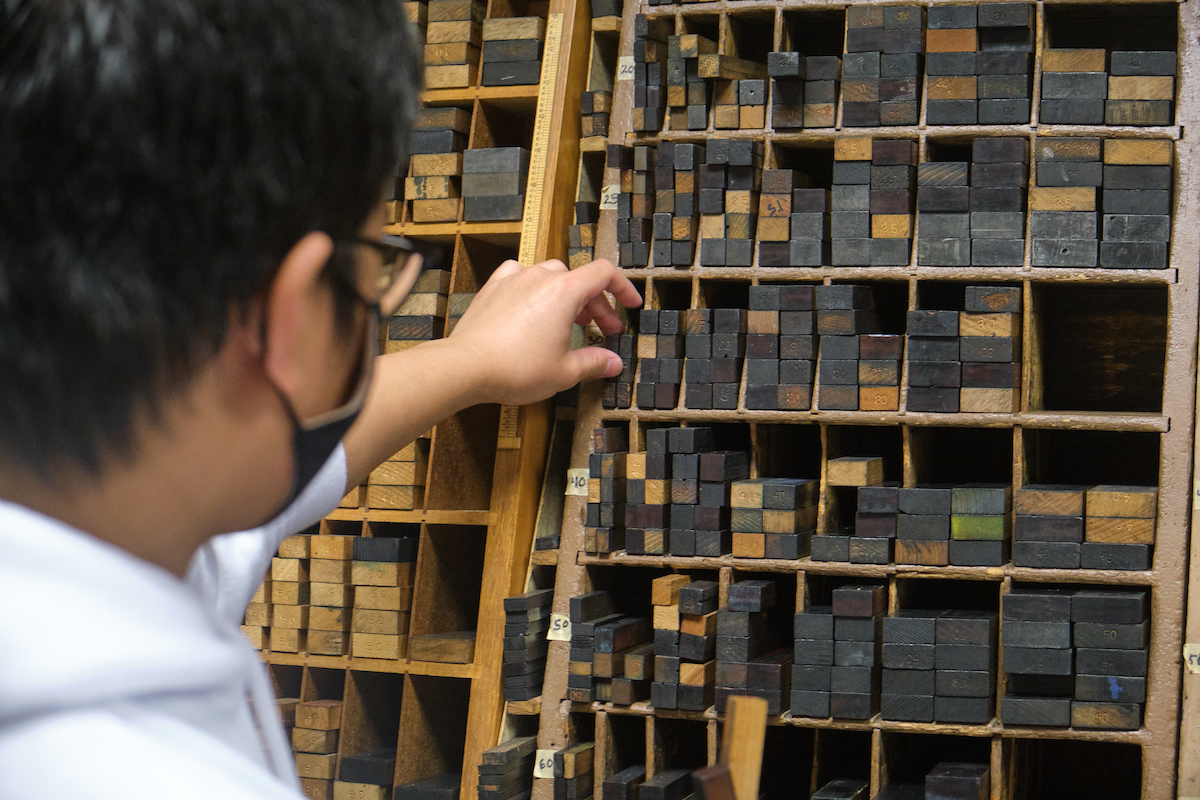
[158,158]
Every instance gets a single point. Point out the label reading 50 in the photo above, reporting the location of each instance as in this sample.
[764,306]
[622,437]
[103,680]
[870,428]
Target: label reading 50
[560,628]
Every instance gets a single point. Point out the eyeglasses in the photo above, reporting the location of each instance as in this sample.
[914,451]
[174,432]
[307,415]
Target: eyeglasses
[403,260]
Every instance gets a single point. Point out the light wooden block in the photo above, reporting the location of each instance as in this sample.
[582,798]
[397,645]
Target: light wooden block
[1003,325]
[321,715]
[383,598]
[697,674]
[1138,152]
[258,635]
[258,614]
[749,545]
[328,546]
[359,791]
[400,473]
[454,31]
[295,547]
[976,400]
[316,788]
[329,570]
[1141,87]
[307,740]
[328,618]
[1119,530]
[1131,502]
[331,594]
[288,640]
[263,593]
[435,210]
[852,148]
[509,28]
[1062,198]
[854,471]
[289,569]
[381,573]
[878,398]
[355,497]
[698,625]
[402,498]
[456,647]
[1073,60]
[328,643]
[289,616]
[311,765]
[891,226]
[289,593]
[666,618]
[373,645]
[367,620]
[436,163]
[664,591]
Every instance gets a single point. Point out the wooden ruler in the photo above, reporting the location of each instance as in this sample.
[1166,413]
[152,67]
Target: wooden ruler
[540,150]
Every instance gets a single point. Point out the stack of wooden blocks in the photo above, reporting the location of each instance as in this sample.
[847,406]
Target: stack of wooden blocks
[873,201]
[714,346]
[881,70]
[1093,527]
[399,482]
[618,390]
[684,669]
[329,610]
[793,221]
[746,663]
[595,108]
[676,207]
[649,73]
[1137,204]
[494,181]
[687,92]
[979,64]
[507,769]
[526,621]
[606,512]
[1062,204]
[581,236]
[729,183]
[382,573]
[837,655]
[635,203]
[422,315]
[660,354]
[845,315]
[781,348]
[1076,658]
[367,774]
[439,137]
[586,610]
[512,51]
[290,595]
[925,525]
[452,41]
[804,90]
[974,214]
[1141,88]
[315,742]
[1074,86]
[773,517]
[256,625]
[938,666]
[966,361]
[841,473]
[573,772]
[740,104]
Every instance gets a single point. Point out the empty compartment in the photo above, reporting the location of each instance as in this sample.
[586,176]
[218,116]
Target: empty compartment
[958,456]
[908,758]
[787,761]
[433,728]
[788,451]
[680,743]
[817,32]
[936,594]
[1099,348]
[1050,769]
[751,34]
[841,755]
[323,684]
[626,743]
[371,716]
[449,572]
[287,679]
[1140,26]
[1091,457]
[842,441]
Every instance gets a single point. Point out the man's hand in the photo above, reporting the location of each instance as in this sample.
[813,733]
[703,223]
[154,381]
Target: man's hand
[513,346]
[519,327]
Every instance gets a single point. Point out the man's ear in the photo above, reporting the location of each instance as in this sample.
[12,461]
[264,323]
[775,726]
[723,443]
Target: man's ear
[293,303]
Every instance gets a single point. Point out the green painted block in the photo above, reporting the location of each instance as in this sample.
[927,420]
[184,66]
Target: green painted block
[988,528]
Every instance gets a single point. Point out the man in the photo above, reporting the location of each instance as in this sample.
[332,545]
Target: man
[191,275]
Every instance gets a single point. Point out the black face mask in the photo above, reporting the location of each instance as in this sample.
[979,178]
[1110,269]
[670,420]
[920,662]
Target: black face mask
[313,442]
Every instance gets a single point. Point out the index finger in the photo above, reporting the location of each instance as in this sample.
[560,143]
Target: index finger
[601,276]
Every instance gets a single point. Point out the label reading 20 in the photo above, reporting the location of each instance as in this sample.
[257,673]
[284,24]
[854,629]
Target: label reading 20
[560,628]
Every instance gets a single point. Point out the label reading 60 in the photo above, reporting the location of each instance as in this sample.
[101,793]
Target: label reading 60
[544,766]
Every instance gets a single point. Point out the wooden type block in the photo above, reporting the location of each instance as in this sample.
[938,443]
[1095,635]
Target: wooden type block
[810,704]
[1046,555]
[951,112]
[1131,502]
[854,471]
[1137,112]
[906,708]
[1048,528]
[980,527]
[1114,607]
[989,401]
[1110,688]
[1038,605]
[929,553]
[1106,716]
[814,651]
[1099,555]
[1035,711]
[1109,661]
[859,601]
[1119,530]
[322,715]
[1072,112]
[846,705]
[979,553]
[830,548]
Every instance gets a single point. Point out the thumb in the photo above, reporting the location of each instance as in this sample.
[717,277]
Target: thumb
[593,362]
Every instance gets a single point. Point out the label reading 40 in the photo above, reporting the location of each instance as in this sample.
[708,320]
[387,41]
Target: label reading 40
[560,628]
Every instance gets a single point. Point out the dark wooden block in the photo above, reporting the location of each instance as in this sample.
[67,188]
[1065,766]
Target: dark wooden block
[951,17]
[838,398]
[855,680]
[859,601]
[857,629]
[1046,555]
[1035,711]
[965,683]
[908,681]
[811,677]
[1071,112]
[671,784]
[966,627]
[978,553]
[740,648]
[810,704]
[1095,605]
[1096,661]
[1099,555]
[814,651]
[992,349]
[1047,605]
[590,606]
[1106,716]
[752,596]
[932,323]
[739,623]
[1111,688]
[1048,529]
[964,656]
[829,547]
[874,527]
[923,527]
[926,500]
[816,622]
[846,705]
[624,784]
[991,375]
[376,768]
[1025,633]
[1038,661]
[906,708]
[908,656]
